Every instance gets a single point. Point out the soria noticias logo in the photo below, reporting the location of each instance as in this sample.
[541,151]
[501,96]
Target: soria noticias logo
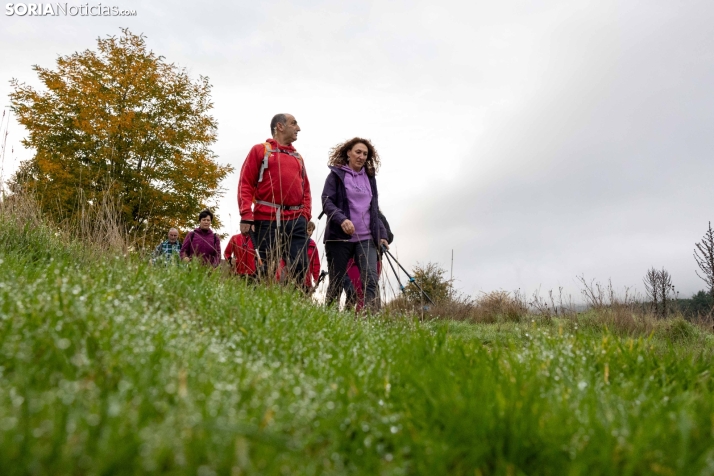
[65,9]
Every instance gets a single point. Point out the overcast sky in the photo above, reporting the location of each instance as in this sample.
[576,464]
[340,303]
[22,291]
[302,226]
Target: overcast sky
[540,140]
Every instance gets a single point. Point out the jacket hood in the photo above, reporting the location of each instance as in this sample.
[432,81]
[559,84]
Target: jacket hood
[338,170]
[348,170]
[341,172]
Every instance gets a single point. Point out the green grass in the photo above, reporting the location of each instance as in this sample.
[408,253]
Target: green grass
[110,366]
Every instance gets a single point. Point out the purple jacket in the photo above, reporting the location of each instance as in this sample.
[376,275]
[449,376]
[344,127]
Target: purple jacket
[205,244]
[337,208]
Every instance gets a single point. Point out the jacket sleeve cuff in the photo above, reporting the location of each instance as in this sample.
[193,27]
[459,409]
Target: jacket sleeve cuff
[338,218]
[247,222]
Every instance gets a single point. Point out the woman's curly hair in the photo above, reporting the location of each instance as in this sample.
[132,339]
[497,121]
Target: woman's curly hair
[338,155]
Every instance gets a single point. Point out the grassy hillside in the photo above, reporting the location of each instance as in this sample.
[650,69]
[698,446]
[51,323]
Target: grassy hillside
[110,366]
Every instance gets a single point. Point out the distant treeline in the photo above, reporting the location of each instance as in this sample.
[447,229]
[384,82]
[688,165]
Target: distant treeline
[700,304]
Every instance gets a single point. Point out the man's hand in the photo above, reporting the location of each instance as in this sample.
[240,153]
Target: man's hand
[246,228]
[186,259]
[348,227]
[384,243]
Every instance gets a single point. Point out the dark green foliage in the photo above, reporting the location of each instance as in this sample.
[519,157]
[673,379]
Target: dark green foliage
[699,305]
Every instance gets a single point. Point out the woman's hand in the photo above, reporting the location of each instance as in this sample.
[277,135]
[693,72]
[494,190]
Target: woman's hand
[348,227]
[186,259]
[384,243]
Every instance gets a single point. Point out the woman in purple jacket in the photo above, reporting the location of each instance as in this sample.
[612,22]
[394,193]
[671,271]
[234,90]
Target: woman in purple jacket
[202,242]
[354,230]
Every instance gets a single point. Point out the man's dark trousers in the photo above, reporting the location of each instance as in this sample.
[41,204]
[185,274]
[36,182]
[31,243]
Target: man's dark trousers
[288,242]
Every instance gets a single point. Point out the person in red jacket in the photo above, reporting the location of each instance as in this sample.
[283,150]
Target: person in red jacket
[313,259]
[274,199]
[240,247]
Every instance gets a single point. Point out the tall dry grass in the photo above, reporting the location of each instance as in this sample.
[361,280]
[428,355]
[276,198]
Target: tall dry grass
[623,313]
[98,226]
[488,308]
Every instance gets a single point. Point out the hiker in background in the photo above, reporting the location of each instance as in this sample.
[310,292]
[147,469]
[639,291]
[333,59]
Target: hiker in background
[313,260]
[240,247]
[353,284]
[354,229]
[202,242]
[168,249]
[273,177]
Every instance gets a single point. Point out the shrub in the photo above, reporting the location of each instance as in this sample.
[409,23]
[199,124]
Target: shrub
[677,330]
[509,307]
[431,278]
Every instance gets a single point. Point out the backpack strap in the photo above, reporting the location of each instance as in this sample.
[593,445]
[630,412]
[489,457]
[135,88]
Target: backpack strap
[264,164]
[269,151]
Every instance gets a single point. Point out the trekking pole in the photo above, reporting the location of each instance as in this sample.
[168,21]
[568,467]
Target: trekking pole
[396,275]
[251,234]
[411,278]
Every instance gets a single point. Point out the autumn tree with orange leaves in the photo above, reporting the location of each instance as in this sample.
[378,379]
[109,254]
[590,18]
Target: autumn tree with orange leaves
[120,123]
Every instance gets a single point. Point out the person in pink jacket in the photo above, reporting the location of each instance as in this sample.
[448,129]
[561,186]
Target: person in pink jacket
[202,242]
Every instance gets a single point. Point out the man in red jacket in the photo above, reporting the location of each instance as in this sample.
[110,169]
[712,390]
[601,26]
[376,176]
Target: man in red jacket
[274,199]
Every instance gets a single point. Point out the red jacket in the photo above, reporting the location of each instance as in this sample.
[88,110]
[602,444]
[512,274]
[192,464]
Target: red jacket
[313,263]
[284,183]
[241,248]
